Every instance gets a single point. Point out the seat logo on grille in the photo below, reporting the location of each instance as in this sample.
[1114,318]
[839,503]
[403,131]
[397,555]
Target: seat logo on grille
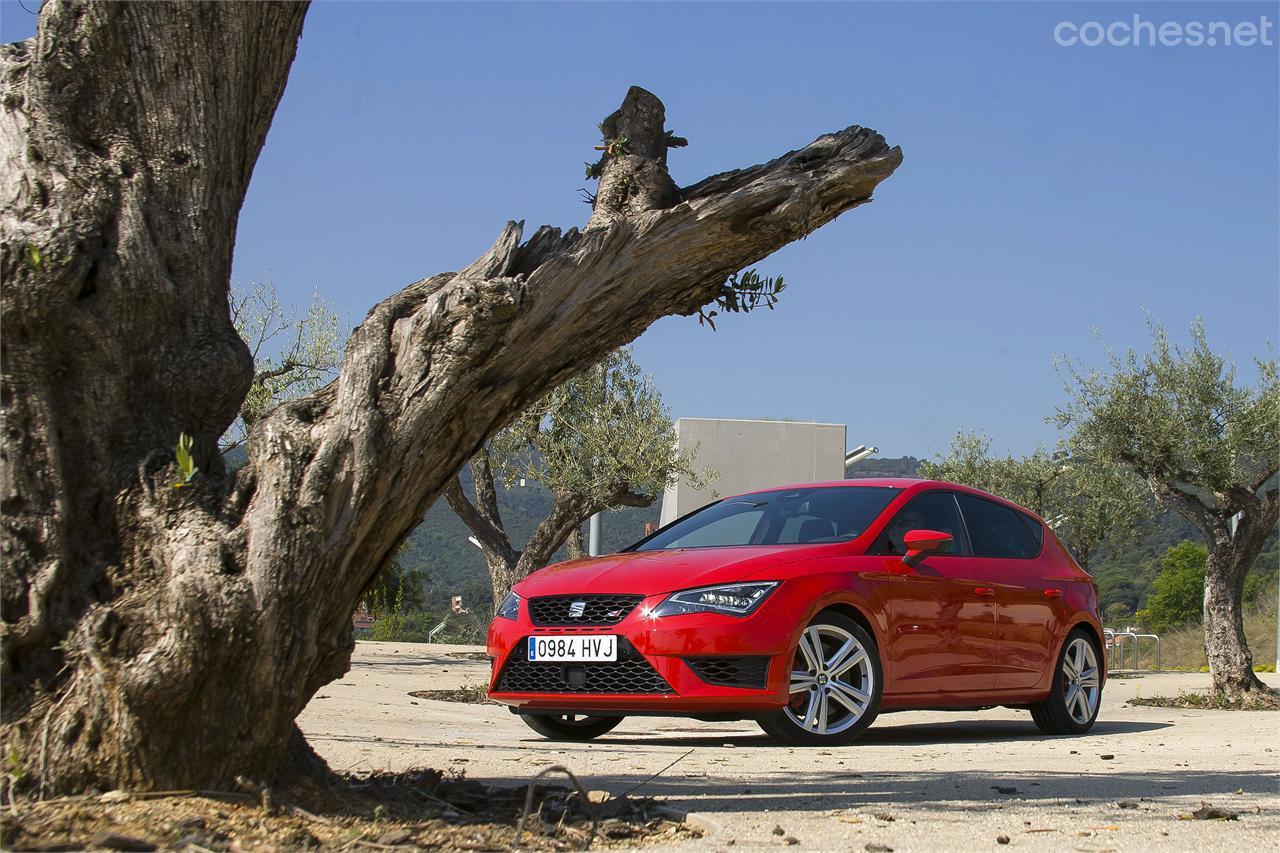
[577,609]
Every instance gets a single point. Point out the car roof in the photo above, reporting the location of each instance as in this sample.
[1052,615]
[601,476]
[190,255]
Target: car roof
[911,484]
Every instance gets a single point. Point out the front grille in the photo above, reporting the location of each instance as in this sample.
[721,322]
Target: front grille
[630,673]
[594,610]
[750,671]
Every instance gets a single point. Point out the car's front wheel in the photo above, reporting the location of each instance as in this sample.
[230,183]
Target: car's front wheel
[570,726]
[836,684]
[1072,705]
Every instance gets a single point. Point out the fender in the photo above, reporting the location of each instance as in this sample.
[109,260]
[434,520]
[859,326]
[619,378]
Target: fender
[844,589]
[1095,630]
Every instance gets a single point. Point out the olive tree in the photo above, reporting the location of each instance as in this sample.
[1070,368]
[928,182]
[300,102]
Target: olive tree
[167,638]
[601,441]
[293,354]
[1209,449]
[1083,499]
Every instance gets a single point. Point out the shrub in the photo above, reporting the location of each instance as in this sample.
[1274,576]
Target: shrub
[1178,592]
[415,626]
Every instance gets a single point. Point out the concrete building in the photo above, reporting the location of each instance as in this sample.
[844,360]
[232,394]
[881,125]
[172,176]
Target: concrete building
[749,455]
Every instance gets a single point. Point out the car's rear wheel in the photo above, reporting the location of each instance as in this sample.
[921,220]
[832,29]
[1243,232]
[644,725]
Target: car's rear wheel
[570,726]
[1073,702]
[836,683]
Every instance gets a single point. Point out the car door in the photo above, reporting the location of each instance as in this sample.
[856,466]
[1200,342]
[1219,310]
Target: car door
[1006,546]
[941,620]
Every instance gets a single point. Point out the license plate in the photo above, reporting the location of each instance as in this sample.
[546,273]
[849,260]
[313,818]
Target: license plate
[562,649]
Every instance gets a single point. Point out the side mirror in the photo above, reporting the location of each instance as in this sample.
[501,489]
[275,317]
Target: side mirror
[922,543]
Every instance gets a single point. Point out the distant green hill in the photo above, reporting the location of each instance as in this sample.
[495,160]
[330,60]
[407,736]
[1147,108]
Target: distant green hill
[892,466]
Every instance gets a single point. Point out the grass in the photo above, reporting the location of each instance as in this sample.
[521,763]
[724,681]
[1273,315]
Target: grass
[1183,648]
[1269,701]
[474,694]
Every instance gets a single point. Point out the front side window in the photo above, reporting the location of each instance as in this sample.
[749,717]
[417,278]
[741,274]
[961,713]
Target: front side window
[997,531]
[930,511]
[816,516]
[736,527]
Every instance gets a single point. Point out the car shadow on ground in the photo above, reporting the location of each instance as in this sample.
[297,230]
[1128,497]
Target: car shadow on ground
[885,733]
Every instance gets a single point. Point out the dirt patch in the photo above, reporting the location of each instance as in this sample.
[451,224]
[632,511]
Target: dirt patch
[469,655]
[408,810]
[1257,701]
[475,694]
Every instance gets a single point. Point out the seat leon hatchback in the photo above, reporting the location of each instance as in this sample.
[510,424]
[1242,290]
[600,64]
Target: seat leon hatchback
[809,609]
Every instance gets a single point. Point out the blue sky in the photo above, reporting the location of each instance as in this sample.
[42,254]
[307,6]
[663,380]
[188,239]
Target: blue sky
[1046,191]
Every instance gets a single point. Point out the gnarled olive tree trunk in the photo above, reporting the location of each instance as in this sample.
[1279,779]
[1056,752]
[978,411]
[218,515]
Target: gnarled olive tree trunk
[162,637]
[1231,554]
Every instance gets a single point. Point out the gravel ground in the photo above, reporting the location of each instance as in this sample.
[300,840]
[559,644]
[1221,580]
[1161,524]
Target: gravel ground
[918,780]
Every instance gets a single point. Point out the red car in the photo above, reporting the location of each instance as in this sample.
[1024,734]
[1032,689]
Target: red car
[810,609]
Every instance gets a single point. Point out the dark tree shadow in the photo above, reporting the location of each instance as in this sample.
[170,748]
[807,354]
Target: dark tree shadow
[885,733]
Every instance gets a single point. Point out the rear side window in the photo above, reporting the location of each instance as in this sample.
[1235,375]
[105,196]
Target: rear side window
[930,511]
[997,531]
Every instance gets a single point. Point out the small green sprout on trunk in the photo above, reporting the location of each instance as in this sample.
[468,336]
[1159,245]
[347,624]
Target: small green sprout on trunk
[187,469]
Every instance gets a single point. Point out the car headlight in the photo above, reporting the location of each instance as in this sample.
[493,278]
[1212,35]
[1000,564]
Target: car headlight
[735,599]
[510,608]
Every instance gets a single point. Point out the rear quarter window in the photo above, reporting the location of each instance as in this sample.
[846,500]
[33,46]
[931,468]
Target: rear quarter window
[997,531]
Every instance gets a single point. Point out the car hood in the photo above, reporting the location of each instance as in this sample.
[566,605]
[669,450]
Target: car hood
[654,572]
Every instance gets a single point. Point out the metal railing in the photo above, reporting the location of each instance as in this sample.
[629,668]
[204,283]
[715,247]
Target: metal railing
[1117,656]
[431,635]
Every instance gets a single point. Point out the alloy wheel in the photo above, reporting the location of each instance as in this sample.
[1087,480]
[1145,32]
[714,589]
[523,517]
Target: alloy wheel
[832,681]
[1080,680]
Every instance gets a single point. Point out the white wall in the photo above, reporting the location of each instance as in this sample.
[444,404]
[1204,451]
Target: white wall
[750,455]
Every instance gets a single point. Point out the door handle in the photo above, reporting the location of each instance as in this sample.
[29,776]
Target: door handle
[984,590]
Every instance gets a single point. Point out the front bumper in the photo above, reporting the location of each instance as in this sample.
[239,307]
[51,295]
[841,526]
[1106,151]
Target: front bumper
[694,663]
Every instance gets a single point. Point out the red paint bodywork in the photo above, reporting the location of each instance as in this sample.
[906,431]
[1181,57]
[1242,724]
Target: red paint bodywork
[955,631]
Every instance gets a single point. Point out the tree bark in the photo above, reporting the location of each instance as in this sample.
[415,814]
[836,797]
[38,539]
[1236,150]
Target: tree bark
[1225,646]
[485,524]
[573,544]
[162,637]
[128,134]
[1230,558]
[505,563]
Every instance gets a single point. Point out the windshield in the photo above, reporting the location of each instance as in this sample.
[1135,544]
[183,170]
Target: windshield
[791,517]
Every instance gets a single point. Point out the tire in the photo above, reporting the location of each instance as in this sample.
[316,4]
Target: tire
[834,699]
[1072,705]
[574,727]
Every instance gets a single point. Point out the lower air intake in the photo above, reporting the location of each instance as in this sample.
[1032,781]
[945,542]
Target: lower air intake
[752,671]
